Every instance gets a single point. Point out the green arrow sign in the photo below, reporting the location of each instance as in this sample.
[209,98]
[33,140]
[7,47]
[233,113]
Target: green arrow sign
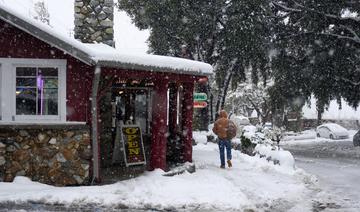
[200,97]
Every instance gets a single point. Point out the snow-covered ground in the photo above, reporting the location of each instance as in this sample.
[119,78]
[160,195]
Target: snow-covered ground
[252,183]
[338,180]
[306,143]
[336,165]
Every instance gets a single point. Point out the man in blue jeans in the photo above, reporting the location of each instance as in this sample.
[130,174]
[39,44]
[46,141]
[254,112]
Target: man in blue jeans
[220,129]
[222,145]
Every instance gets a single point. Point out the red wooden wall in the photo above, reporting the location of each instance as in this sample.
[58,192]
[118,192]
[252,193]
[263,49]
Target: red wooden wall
[14,43]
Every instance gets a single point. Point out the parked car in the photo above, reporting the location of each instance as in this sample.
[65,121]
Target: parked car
[268,125]
[356,139]
[332,131]
[240,122]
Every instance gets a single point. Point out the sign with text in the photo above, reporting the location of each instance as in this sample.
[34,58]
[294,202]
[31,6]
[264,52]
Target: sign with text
[200,104]
[200,97]
[133,145]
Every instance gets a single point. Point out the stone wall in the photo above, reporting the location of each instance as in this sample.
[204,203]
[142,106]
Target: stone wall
[56,155]
[94,21]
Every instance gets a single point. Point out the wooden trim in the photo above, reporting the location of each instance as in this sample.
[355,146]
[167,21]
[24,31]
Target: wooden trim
[8,77]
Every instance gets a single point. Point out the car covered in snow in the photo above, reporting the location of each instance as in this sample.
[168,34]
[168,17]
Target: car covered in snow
[240,122]
[332,131]
[268,125]
[356,139]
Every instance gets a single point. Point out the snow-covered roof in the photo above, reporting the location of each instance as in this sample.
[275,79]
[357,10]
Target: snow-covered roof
[101,54]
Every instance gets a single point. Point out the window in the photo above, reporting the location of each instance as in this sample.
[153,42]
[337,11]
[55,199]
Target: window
[36,91]
[33,89]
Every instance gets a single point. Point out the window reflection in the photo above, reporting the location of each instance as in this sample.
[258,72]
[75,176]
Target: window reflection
[36,91]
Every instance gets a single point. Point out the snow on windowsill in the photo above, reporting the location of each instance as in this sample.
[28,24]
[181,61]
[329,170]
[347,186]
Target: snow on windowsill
[41,123]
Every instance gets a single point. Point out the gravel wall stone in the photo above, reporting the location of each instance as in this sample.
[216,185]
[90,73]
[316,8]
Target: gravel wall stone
[58,156]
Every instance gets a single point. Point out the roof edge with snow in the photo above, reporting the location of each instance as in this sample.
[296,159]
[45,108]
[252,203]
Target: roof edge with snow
[89,53]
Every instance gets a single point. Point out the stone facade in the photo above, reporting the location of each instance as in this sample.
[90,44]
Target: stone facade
[56,155]
[94,21]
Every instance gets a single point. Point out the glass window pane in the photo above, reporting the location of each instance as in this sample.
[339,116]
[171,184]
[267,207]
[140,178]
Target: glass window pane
[26,101]
[37,91]
[141,111]
[26,82]
[53,72]
[51,83]
[25,71]
[48,102]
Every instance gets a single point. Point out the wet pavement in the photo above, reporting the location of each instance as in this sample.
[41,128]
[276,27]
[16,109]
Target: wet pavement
[337,167]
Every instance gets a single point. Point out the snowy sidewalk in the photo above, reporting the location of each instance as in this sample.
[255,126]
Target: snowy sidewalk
[252,183]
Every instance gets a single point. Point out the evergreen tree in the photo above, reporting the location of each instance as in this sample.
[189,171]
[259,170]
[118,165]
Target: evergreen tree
[233,36]
[318,50]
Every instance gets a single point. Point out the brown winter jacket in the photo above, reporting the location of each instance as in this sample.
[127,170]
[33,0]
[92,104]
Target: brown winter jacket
[221,124]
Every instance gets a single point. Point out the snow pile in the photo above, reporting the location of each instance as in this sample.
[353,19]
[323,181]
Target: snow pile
[252,183]
[201,136]
[249,131]
[277,155]
[304,135]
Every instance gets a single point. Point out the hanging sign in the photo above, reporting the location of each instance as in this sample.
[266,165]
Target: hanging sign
[200,104]
[133,145]
[200,97]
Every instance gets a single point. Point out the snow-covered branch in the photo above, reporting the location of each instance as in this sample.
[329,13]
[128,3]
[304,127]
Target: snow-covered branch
[354,39]
[349,81]
[288,9]
[355,35]
[304,8]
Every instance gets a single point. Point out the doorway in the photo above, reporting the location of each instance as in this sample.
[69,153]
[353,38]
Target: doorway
[130,105]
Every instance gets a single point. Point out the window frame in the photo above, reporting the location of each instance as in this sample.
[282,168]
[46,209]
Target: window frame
[8,83]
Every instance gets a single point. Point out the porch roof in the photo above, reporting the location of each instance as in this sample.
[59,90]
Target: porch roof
[101,54]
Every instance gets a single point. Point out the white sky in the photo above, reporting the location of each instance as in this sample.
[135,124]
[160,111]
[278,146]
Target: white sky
[128,38]
[333,111]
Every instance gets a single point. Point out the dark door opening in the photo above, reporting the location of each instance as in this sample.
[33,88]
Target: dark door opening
[132,106]
[129,106]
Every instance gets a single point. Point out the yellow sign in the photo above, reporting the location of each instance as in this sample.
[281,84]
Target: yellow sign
[133,145]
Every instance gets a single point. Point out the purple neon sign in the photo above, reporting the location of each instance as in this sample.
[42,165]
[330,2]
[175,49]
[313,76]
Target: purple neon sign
[40,85]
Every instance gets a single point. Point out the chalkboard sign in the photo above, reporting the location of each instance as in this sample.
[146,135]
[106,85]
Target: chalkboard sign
[133,145]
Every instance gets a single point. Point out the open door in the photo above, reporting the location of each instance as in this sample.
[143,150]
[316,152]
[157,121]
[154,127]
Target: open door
[132,107]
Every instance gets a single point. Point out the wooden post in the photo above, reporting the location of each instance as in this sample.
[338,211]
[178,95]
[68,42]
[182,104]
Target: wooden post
[95,126]
[173,89]
[159,126]
[187,118]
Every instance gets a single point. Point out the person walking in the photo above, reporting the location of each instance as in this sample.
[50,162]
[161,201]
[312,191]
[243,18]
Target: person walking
[221,128]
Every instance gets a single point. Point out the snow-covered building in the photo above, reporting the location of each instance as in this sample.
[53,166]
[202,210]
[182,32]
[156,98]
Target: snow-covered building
[72,112]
